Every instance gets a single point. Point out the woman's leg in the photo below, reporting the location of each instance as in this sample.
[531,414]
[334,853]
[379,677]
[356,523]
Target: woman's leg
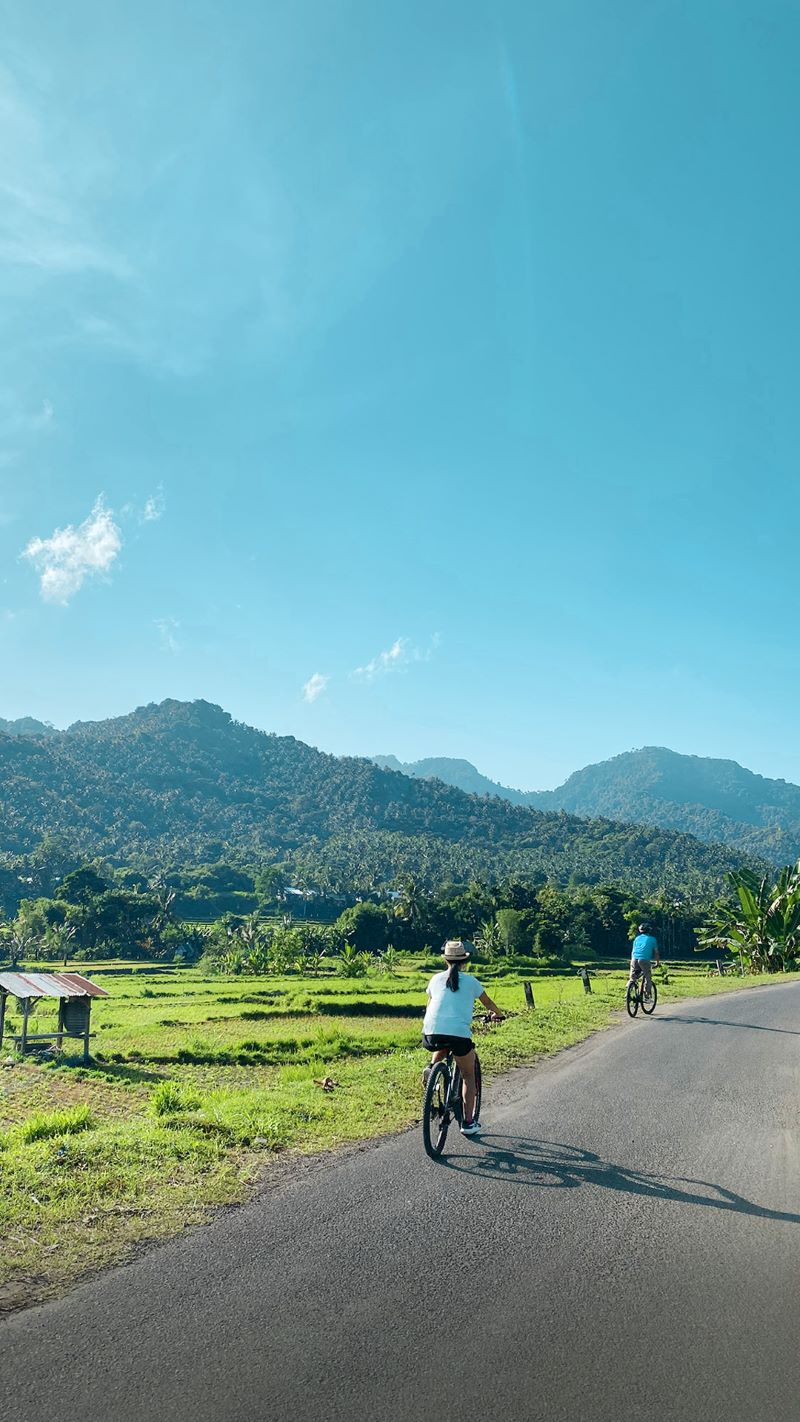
[466,1066]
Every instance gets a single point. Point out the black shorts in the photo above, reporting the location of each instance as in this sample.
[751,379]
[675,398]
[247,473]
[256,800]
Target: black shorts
[443,1042]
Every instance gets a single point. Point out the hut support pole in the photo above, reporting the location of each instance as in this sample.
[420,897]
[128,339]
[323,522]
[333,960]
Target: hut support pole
[2,1015]
[26,1007]
[60,1037]
[86,1034]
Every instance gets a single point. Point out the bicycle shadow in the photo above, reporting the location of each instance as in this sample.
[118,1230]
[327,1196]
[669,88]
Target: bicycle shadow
[719,1022]
[554,1165]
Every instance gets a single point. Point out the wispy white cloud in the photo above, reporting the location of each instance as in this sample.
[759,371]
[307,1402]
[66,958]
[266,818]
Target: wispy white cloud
[168,629]
[46,223]
[314,687]
[71,555]
[154,507]
[401,654]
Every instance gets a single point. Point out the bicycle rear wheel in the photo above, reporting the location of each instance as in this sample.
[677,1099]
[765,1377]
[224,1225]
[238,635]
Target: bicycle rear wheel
[436,1111]
[649,1003]
[632,999]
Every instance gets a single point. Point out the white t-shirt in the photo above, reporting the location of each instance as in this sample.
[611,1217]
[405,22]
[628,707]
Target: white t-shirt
[451,1012]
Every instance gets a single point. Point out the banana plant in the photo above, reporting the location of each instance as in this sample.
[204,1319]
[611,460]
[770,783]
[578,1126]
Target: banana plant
[761,924]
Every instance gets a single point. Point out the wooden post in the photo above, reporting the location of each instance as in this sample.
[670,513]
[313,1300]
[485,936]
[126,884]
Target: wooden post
[86,1034]
[584,976]
[60,1035]
[2,1015]
[26,1007]
[529,994]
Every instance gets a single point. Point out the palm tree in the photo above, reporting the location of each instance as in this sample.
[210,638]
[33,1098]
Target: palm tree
[21,940]
[58,940]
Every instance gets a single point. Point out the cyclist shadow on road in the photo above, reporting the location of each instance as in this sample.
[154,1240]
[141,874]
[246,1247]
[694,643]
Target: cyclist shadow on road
[553,1165]
[720,1022]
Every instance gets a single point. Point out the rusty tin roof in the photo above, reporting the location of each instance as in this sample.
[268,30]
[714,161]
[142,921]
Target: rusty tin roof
[49,985]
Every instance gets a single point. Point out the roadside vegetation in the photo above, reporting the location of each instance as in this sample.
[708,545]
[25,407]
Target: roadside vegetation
[201,1079]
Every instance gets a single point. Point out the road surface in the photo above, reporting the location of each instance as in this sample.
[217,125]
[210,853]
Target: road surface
[622,1242]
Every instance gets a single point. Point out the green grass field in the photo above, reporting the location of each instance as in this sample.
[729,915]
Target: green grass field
[198,1081]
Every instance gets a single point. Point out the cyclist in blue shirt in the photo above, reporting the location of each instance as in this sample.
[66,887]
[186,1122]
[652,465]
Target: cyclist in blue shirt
[644,953]
[447,1026]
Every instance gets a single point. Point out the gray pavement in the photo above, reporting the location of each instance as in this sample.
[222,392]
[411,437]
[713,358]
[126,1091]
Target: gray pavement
[622,1242]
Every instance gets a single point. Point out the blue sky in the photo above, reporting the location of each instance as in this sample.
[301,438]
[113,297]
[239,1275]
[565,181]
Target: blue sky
[440,360]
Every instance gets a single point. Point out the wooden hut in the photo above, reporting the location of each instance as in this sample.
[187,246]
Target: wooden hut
[74,993]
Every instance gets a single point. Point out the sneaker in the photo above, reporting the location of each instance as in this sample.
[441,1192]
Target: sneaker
[470,1128]
[426,1076]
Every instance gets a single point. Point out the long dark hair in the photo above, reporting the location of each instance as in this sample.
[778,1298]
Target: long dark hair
[452,977]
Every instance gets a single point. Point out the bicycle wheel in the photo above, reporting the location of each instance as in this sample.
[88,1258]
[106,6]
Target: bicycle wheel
[649,1003]
[632,999]
[436,1111]
[476,1115]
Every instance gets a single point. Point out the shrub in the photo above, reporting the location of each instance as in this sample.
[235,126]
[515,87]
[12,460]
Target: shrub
[168,1099]
[45,1125]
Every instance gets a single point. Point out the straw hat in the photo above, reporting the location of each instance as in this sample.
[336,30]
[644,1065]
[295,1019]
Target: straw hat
[454,951]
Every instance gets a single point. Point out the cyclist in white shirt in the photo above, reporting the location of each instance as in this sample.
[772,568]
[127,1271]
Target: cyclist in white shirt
[447,1026]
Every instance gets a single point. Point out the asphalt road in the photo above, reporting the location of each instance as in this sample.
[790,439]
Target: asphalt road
[622,1242]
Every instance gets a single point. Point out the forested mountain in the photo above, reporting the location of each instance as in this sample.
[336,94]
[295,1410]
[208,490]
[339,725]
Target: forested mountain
[182,783]
[718,801]
[27,726]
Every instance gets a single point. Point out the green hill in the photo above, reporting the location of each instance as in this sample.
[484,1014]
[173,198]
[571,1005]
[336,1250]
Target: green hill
[718,801]
[182,783]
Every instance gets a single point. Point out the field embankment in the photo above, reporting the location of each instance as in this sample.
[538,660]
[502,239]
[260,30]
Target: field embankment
[198,1081]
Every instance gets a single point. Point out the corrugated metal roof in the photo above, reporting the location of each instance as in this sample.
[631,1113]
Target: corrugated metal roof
[49,985]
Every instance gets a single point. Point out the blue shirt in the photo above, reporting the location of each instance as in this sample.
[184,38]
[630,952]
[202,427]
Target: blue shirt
[645,947]
[451,1012]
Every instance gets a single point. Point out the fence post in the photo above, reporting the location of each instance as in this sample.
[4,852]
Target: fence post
[529,994]
[26,1007]
[584,977]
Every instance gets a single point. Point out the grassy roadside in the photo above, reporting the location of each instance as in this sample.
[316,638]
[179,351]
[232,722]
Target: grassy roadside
[198,1083]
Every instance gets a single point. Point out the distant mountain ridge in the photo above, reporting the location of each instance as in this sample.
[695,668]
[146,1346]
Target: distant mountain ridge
[718,801]
[27,726]
[460,773]
[183,783]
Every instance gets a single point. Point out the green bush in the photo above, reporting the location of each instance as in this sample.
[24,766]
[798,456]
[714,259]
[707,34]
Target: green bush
[46,1124]
[168,1099]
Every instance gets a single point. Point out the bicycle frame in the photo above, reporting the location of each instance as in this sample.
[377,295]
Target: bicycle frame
[451,1105]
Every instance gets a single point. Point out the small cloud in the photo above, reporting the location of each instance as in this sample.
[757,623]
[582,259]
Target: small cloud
[150,511]
[44,417]
[402,653]
[314,687]
[154,507]
[71,555]
[398,655]
[167,628]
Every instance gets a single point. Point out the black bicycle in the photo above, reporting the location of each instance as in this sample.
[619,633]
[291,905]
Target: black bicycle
[443,1103]
[642,992]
